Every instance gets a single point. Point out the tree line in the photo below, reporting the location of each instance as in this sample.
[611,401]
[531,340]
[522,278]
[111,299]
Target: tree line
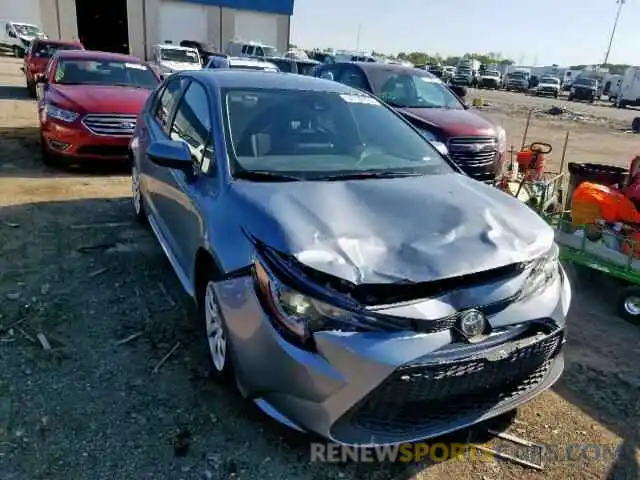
[422,58]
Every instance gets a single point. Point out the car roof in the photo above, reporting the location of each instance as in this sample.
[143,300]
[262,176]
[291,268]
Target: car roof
[389,67]
[96,55]
[230,78]
[173,46]
[57,42]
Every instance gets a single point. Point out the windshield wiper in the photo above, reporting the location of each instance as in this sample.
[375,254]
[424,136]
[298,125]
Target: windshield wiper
[368,175]
[266,176]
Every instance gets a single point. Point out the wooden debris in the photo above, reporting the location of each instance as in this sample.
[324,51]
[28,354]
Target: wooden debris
[99,272]
[26,335]
[13,325]
[89,226]
[165,358]
[128,339]
[44,342]
[94,248]
[171,301]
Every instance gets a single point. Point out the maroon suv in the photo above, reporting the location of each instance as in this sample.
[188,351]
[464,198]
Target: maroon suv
[469,138]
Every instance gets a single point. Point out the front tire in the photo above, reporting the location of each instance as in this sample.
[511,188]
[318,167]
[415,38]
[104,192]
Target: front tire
[18,52]
[628,304]
[216,331]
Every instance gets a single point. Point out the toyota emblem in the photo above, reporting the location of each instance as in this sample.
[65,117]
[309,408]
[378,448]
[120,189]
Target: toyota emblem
[472,324]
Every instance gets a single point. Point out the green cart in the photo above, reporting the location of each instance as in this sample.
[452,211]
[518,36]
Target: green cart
[587,245]
[593,247]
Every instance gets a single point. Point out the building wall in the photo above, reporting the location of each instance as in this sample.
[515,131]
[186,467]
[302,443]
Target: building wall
[59,21]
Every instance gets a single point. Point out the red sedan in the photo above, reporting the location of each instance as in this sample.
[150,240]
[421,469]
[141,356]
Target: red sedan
[38,56]
[89,104]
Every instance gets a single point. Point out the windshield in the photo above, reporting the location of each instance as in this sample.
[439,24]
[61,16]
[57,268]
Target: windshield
[270,51]
[104,72]
[47,50]
[270,68]
[305,68]
[27,30]
[283,65]
[517,75]
[313,135]
[492,74]
[175,55]
[405,88]
[550,80]
[589,82]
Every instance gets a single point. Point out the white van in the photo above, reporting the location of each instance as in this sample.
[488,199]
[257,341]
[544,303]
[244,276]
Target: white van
[16,36]
[629,94]
[237,48]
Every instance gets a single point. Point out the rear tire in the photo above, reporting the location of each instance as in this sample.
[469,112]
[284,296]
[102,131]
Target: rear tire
[137,198]
[628,305]
[31,88]
[18,52]
[570,99]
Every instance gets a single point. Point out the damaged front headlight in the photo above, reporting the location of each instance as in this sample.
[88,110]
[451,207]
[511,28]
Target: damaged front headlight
[543,271]
[295,314]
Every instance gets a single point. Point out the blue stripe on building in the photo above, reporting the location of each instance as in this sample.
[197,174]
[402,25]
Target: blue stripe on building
[283,7]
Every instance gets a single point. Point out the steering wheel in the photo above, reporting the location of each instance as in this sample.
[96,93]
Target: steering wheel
[540,147]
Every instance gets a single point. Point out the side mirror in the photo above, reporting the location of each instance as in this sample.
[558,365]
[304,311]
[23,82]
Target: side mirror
[40,78]
[171,154]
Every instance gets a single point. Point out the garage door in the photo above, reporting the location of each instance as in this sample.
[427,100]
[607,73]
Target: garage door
[181,21]
[27,11]
[257,27]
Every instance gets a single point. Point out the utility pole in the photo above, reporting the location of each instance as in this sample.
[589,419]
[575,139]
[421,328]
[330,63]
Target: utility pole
[358,38]
[620,3]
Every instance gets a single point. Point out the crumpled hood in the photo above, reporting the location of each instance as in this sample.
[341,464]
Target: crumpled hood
[389,230]
[454,122]
[100,98]
[179,66]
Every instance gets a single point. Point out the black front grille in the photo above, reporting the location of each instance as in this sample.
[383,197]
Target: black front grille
[104,150]
[434,395]
[476,156]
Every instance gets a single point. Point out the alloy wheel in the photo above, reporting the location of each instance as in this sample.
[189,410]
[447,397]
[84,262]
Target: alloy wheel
[216,336]
[135,190]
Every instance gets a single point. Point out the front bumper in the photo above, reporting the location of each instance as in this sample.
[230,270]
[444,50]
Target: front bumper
[518,86]
[390,388]
[548,91]
[76,142]
[583,94]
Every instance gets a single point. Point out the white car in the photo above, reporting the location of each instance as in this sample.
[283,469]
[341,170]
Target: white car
[548,86]
[17,37]
[168,59]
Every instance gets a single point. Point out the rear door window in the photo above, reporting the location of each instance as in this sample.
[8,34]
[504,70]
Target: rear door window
[167,100]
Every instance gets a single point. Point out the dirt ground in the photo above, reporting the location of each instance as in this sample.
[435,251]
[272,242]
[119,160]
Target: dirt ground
[76,268]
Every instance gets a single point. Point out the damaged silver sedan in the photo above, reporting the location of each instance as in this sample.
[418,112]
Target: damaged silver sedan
[353,283]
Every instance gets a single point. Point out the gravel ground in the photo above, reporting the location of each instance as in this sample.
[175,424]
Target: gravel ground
[91,409]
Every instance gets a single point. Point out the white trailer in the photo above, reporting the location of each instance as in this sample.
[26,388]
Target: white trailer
[629,94]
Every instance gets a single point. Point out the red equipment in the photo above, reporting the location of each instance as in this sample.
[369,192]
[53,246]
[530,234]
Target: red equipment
[531,160]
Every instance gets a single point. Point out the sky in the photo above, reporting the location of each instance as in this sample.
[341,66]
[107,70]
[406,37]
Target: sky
[572,32]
